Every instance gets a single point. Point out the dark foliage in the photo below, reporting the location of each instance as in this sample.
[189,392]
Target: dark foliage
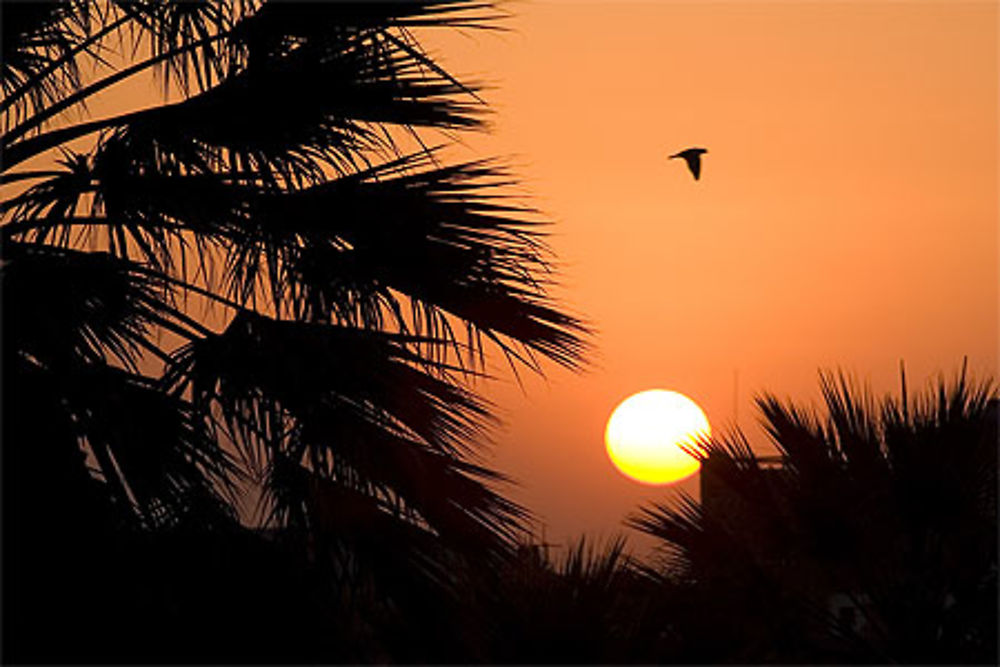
[249,289]
[874,540]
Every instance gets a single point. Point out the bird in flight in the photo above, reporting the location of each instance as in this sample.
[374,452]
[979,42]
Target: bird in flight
[693,158]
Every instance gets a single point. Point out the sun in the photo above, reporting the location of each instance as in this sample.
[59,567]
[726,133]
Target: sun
[645,434]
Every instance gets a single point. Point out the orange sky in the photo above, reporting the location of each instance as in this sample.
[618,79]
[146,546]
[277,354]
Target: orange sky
[847,213]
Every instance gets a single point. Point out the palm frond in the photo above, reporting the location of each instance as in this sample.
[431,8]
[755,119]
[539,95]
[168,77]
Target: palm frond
[157,468]
[38,42]
[272,118]
[66,307]
[438,237]
[45,463]
[376,558]
[852,417]
[798,433]
[189,32]
[369,376]
[451,496]
[354,408]
[596,564]
[891,504]
[163,458]
[370,79]
[397,246]
[60,195]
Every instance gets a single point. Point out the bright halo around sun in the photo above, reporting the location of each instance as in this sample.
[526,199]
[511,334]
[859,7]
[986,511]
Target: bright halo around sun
[646,432]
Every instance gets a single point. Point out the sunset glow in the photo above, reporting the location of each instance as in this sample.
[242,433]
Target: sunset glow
[315,313]
[848,196]
[646,434]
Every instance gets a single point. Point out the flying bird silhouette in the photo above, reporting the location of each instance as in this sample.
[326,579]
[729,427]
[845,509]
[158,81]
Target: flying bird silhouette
[693,158]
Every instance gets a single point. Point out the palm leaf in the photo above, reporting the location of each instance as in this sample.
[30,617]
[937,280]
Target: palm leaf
[885,503]
[37,66]
[368,80]
[65,307]
[369,375]
[353,408]
[437,237]
[163,459]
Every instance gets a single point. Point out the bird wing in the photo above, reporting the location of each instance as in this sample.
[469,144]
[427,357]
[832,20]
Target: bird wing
[694,164]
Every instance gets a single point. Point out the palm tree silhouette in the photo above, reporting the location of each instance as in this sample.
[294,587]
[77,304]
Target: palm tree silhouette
[353,286]
[577,608]
[874,540]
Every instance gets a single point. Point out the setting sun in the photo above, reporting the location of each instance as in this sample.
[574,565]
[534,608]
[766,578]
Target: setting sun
[647,431]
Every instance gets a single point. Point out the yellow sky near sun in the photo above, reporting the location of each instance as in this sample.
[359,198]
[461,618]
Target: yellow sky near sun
[846,216]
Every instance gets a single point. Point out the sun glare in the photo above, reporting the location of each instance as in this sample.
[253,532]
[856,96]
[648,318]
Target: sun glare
[646,432]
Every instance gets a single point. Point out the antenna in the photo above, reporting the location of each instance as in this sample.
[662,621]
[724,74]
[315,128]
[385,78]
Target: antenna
[544,545]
